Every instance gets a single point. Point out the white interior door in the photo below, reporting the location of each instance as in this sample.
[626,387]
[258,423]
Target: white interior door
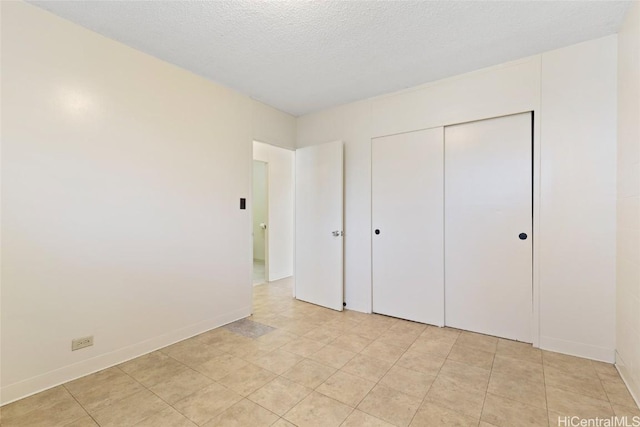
[319,229]
[488,213]
[407,220]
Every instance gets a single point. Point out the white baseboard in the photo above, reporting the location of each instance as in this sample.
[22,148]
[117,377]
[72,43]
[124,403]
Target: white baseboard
[572,348]
[22,389]
[632,385]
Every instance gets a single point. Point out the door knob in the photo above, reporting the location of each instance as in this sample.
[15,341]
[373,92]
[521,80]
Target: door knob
[523,236]
[377,231]
[337,233]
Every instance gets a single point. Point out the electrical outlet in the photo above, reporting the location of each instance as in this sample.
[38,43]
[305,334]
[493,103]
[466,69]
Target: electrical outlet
[83,342]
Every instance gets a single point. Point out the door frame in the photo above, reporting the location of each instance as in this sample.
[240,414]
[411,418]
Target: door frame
[536,234]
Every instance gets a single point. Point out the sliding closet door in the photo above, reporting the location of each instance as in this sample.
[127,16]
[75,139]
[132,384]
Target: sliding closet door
[488,225]
[407,219]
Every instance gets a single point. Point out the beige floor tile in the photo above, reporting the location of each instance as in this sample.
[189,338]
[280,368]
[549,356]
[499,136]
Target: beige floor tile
[99,390]
[558,420]
[166,418]
[207,403]
[300,327]
[191,352]
[275,339]
[574,404]
[370,331]
[628,411]
[518,369]
[444,334]
[471,356]
[366,367]
[83,422]
[606,371]
[180,385]
[362,419]
[408,327]
[53,407]
[247,380]
[278,361]
[152,368]
[398,338]
[256,354]
[408,381]
[309,373]
[478,341]
[432,345]
[383,351]
[618,393]
[530,393]
[390,405]
[333,356]
[233,342]
[465,375]
[346,388]
[351,342]
[422,362]
[282,423]
[431,415]
[322,334]
[302,347]
[280,395]
[246,350]
[221,366]
[575,382]
[507,413]
[130,410]
[566,363]
[318,410]
[343,324]
[519,350]
[215,337]
[244,414]
[448,394]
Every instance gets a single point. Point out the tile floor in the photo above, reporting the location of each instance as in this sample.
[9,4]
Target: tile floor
[296,364]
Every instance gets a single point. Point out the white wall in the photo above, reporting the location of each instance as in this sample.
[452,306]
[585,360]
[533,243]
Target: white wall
[509,88]
[259,208]
[121,179]
[628,266]
[280,207]
[578,210]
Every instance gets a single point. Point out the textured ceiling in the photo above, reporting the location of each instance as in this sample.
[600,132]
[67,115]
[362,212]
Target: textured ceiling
[303,56]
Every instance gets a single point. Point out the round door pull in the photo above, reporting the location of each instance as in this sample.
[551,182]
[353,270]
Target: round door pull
[377,231]
[523,236]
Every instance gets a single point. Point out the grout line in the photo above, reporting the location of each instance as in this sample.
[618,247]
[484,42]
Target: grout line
[81,405]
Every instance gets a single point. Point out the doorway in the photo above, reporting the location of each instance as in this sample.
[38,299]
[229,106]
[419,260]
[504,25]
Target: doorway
[260,221]
[272,211]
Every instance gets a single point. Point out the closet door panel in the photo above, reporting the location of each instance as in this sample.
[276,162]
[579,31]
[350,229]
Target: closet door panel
[488,226]
[407,219]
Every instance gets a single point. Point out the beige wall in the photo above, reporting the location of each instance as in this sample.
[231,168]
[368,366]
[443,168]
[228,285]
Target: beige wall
[573,94]
[628,236]
[121,179]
